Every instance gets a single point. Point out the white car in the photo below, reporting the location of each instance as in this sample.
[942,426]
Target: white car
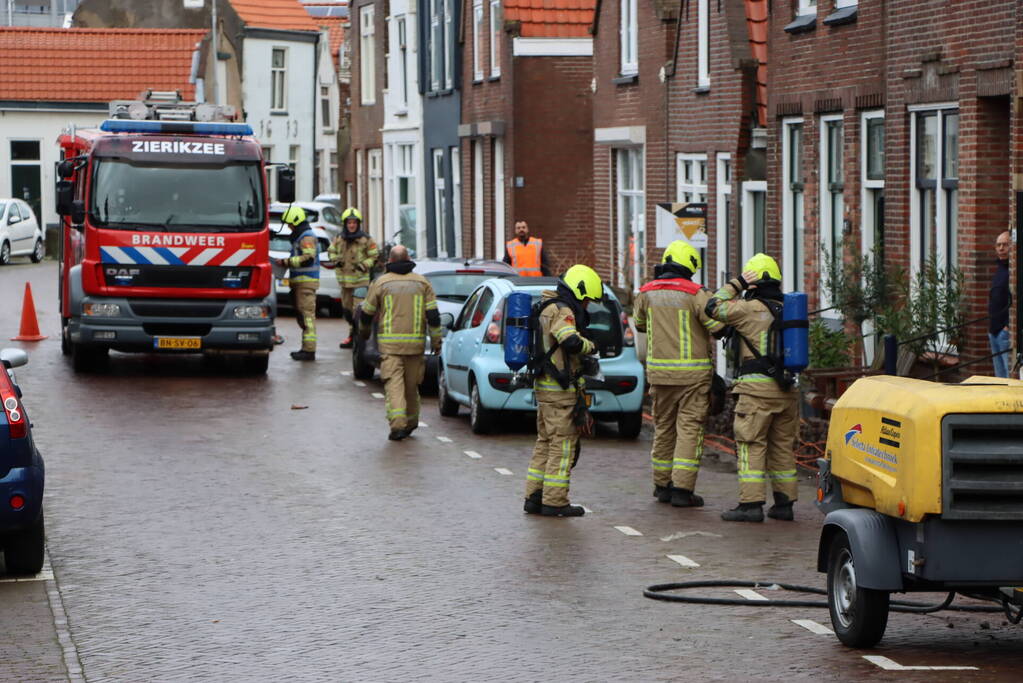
[332,198]
[20,234]
[328,296]
[319,214]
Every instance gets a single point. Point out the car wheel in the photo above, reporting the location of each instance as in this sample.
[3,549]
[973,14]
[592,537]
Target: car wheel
[859,615]
[447,406]
[481,420]
[360,368]
[24,550]
[38,252]
[630,425]
[5,253]
[87,358]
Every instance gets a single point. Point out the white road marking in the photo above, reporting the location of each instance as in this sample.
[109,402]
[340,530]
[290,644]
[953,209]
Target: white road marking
[44,575]
[629,531]
[502,470]
[423,424]
[360,384]
[890,665]
[750,595]
[443,439]
[473,454]
[813,627]
[377,394]
[682,560]
[346,373]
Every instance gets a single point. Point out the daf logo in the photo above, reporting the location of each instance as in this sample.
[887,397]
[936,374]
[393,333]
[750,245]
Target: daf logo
[123,272]
[234,275]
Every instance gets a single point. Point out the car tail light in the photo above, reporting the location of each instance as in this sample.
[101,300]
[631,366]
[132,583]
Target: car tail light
[17,424]
[628,337]
[17,502]
[494,331]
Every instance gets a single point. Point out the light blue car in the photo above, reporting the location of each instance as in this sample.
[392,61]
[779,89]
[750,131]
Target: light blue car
[473,371]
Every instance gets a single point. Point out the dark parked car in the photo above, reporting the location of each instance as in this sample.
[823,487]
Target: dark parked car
[21,476]
[453,281]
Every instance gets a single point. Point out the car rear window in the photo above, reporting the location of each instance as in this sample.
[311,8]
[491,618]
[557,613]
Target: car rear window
[458,286]
[605,328]
[310,215]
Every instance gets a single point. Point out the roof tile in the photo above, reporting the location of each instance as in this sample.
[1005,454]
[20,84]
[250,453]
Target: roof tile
[284,15]
[551,18]
[108,64]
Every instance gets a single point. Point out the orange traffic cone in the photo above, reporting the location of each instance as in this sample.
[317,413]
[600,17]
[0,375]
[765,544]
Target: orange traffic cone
[29,323]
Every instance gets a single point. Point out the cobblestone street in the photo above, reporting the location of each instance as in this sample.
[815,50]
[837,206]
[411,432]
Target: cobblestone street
[203,525]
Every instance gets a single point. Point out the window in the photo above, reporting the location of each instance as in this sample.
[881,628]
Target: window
[360,178]
[317,165]
[793,226]
[401,64]
[630,218]
[449,51]
[873,182]
[806,7]
[293,152]
[325,109]
[367,56]
[26,174]
[839,4]
[440,219]
[332,183]
[477,197]
[271,177]
[832,207]
[935,166]
[375,160]
[477,40]
[495,38]
[405,177]
[498,159]
[703,44]
[754,218]
[628,38]
[691,177]
[436,45]
[456,200]
[278,79]
[724,212]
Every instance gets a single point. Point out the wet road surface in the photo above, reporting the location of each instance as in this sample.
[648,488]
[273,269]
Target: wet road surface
[207,525]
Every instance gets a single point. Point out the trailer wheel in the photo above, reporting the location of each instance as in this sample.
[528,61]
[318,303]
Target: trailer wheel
[859,615]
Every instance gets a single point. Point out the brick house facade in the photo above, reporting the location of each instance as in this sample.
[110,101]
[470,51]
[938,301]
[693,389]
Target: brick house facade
[368,80]
[525,125]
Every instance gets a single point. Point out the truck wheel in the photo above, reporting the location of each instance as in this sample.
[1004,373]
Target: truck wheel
[257,364]
[630,425]
[481,420]
[859,615]
[65,343]
[447,406]
[23,551]
[38,252]
[360,368]
[86,358]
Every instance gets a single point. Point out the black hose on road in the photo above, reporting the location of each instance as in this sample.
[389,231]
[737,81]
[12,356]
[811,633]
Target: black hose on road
[660,592]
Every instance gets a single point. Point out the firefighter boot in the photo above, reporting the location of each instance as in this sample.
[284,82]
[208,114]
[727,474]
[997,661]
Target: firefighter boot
[303,355]
[397,434]
[782,508]
[562,511]
[534,504]
[684,498]
[662,493]
[347,343]
[745,512]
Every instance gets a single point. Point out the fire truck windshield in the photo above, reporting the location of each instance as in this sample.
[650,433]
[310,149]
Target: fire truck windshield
[132,195]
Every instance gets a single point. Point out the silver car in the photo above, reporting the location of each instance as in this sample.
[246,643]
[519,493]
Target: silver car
[328,297]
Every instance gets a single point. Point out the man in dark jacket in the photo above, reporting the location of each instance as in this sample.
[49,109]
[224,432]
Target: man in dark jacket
[998,307]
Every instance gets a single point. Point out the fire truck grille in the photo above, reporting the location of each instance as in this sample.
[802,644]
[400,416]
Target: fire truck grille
[208,277]
[982,466]
[177,308]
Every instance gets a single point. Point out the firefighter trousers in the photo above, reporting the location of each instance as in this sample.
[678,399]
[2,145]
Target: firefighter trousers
[679,414]
[348,302]
[556,441]
[303,299]
[402,375]
[765,434]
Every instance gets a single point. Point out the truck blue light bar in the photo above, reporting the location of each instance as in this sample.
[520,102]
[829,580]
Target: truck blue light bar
[180,127]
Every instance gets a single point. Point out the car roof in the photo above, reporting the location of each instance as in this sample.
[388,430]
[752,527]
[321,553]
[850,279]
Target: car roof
[535,285]
[281,206]
[284,230]
[436,265]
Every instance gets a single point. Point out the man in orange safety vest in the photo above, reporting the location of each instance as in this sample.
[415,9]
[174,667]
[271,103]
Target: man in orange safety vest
[526,254]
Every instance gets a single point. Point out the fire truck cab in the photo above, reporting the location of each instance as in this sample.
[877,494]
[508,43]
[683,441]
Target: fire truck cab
[165,234]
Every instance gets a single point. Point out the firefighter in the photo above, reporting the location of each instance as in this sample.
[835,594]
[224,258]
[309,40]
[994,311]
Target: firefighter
[353,253]
[558,388]
[304,278]
[525,253]
[767,411]
[670,309]
[407,308]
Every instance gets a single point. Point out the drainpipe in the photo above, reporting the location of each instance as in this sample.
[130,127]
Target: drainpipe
[316,94]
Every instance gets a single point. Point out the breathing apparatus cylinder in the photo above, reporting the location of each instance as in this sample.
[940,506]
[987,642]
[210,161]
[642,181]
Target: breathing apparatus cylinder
[795,332]
[516,330]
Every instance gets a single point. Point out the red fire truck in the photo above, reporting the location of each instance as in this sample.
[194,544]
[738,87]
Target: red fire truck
[165,234]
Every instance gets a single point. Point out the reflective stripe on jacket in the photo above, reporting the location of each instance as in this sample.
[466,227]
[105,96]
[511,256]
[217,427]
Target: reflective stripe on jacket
[401,303]
[678,331]
[526,257]
[354,260]
[304,269]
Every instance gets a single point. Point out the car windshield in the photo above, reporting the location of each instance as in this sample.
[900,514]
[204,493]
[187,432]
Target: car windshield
[458,286]
[131,195]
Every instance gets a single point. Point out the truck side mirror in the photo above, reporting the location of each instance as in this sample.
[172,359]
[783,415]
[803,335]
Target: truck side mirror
[66,169]
[65,193]
[77,212]
[286,185]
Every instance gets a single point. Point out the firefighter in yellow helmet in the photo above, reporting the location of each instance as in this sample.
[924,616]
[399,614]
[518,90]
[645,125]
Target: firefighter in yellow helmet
[767,412]
[407,307]
[304,278]
[353,253]
[671,310]
[558,387]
